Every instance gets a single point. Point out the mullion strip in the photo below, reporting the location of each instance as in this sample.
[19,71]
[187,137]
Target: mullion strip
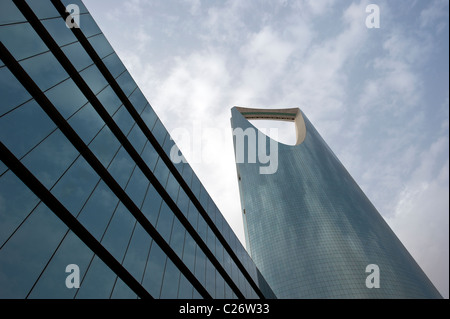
[104,70]
[67,218]
[78,143]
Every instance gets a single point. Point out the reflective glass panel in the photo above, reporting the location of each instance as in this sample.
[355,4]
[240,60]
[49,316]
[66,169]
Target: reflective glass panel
[24,127]
[11,91]
[52,283]
[51,158]
[25,255]
[16,202]
[154,271]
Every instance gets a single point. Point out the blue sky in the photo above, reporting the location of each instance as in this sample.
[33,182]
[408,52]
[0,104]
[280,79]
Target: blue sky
[379,97]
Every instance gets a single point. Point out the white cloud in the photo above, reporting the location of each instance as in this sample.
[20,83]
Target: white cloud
[422,208]
[436,12]
[194,6]
[319,7]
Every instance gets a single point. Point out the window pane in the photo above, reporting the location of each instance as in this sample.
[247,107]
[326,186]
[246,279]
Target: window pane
[137,186]
[177,237]
[79,3]
[11,91]
[170,284]
[167,147]
[10,13]
[195,185]
[150,156]
[94,78]
[149,116]
[160,132]
[21,40]
[59,32]
[126,82]
[200,264]
[220,286]
[154,271]
[193,215]
[202,228]
[211,240]
[185,289]
[172,187]
[152,204]
[227,262]
[164,223]
[66,97]
[52,282]
[183,202]
[189,252]
[122,291]
[121,167]
[16,202]
[98,282]
[109,100]
[101,45]
[88,25]
[51,158]
[234,274]
[104,146]
[196,295]
[229,294]
[137,139]
[138,100]
[76,185]
[161,172]
[187,173]
[219,251]
[97,212]
[203,197]
[210,279]
[23,128]
[211,209]
[114,65]
[77,55]
[44,69]
[118,233]
[86,122]
[43,9]
[24,256]
[137,253]
[124,120]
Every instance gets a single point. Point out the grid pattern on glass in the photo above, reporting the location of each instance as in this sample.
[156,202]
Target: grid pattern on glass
[91,201]
[312,231]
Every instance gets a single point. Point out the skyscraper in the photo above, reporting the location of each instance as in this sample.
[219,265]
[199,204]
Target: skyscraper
[309,228]
[91,206]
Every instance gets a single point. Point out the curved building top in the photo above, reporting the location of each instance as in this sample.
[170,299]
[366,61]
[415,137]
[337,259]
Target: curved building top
[288,115]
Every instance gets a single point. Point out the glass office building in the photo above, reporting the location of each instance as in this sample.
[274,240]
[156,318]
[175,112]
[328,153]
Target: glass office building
[310,229]
[86,178]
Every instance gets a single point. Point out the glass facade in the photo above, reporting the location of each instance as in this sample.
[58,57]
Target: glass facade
[86,178]
[311,230]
